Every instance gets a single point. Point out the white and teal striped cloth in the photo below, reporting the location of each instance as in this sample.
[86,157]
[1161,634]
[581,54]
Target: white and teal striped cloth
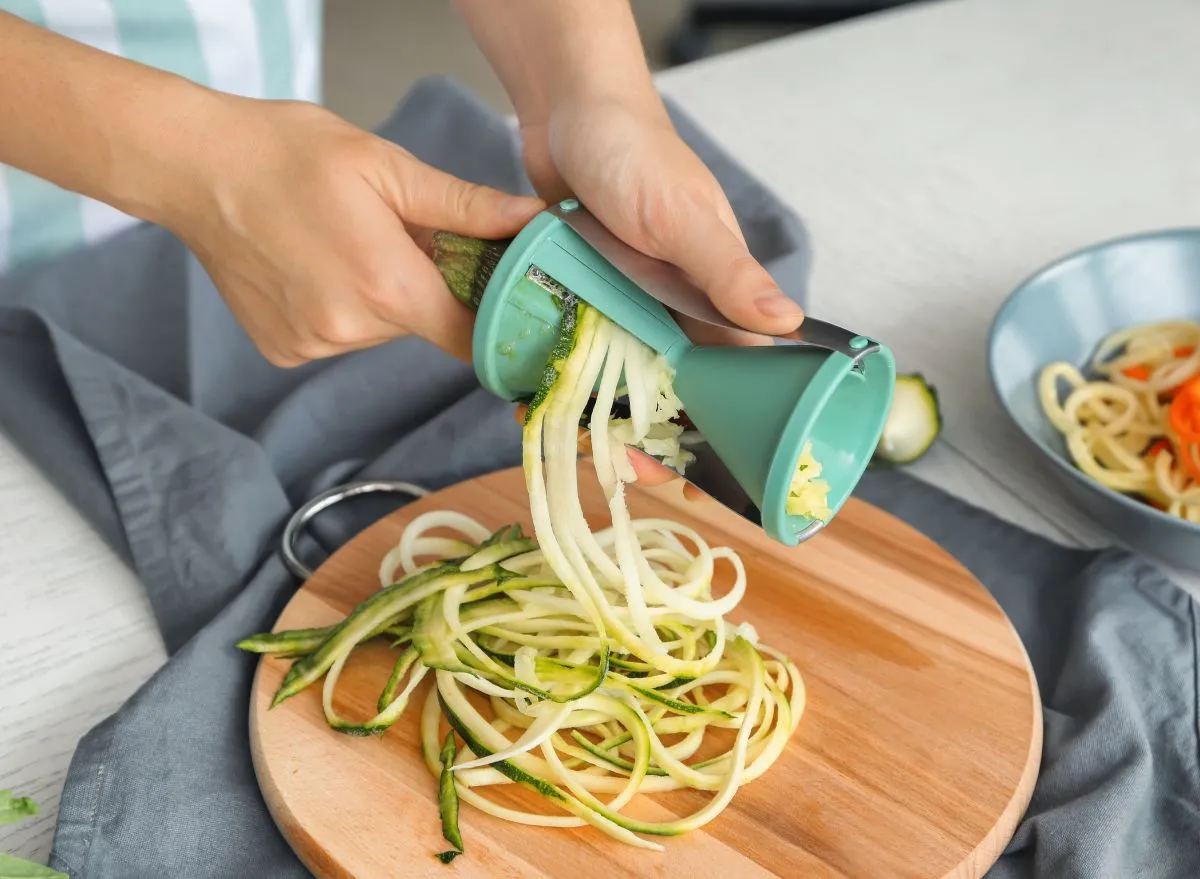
[256,48]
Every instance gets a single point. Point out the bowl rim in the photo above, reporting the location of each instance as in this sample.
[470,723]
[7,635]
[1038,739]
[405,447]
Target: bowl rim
[1063,464]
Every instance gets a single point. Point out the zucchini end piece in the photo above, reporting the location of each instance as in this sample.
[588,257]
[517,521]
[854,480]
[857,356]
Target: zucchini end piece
[466,264]
[913,424]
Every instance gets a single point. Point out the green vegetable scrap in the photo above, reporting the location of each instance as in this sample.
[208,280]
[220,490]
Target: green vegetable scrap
[12,810]
[448,802]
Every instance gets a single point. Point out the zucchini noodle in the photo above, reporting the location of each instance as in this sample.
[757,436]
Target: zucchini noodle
[1132,425]
[589,666]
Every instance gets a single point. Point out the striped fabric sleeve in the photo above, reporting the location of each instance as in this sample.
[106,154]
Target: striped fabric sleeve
[38,219]
[255,48]
[93,22]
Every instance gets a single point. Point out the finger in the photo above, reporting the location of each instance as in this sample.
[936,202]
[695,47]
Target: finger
[437,200]
[649,471]
[719,263]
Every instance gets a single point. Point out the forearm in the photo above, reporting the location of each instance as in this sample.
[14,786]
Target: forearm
[94,123]
[547,52]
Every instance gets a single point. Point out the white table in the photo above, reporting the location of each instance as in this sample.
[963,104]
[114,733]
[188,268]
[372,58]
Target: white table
[938,154]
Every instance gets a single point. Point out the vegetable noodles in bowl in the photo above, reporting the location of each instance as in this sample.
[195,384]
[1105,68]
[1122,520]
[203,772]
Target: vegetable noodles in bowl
[586,666]
[1133,424]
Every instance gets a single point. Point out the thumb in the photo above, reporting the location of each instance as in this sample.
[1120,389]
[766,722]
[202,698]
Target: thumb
[719,263]
[425,196]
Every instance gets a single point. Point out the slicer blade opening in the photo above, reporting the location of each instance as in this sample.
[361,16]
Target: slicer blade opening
[547,283]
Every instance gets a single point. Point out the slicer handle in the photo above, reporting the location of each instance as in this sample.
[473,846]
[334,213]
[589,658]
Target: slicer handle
[822,334]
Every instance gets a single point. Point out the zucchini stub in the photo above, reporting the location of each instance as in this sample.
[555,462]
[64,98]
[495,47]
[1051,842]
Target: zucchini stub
[913,424]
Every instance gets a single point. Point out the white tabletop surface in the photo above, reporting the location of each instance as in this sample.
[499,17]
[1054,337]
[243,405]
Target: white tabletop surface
[938,154]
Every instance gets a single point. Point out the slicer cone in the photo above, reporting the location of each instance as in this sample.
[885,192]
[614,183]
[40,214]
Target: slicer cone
[757,407]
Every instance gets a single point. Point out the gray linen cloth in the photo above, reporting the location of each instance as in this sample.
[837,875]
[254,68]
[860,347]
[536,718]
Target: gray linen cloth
[128,382]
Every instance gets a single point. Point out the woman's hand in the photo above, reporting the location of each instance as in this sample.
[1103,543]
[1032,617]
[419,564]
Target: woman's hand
[314,231]
[623,159]
[594,127]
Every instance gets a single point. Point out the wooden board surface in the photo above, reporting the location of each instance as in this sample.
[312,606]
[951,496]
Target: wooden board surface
[916,756]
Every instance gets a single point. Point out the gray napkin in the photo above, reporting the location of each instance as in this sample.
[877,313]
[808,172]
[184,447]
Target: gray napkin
[131,386]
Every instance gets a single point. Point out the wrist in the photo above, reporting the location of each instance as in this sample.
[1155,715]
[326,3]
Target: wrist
[159,156]
[593,103]
[631,95]
[597,59]
[625,81]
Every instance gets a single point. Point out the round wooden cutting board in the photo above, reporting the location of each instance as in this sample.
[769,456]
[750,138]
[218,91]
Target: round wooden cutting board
[916,756]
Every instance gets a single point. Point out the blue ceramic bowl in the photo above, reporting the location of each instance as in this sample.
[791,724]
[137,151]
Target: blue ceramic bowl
[1062,313]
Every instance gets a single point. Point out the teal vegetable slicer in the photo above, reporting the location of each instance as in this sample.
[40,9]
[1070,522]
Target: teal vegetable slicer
[756,407]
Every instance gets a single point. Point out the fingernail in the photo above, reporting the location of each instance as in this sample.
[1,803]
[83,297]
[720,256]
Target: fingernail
[777,305]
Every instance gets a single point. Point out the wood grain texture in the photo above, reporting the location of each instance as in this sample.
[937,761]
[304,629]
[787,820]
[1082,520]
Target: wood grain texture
[77,638]
[916,756]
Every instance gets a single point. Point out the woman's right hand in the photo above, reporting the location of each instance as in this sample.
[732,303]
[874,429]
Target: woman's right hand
[314,230]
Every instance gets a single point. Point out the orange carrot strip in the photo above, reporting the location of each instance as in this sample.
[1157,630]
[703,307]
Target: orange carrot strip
[1184,413]
[1157,446]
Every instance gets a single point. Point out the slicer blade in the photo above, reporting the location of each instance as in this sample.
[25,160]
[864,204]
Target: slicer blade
[670,287]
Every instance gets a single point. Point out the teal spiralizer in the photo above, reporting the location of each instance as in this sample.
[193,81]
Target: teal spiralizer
[757,407]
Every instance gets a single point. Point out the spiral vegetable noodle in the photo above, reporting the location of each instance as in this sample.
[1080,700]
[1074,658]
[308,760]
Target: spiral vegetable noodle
[1134,425]
[586,666]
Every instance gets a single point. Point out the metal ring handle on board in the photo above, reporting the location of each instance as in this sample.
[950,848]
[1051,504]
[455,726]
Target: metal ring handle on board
[327,499]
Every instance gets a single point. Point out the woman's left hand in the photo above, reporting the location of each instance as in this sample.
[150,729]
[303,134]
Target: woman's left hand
[624,160]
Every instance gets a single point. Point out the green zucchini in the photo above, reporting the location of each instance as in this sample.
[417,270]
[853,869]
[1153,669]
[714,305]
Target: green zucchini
[12,810]
[399,670]
[448,802]
[567,332]
[913,424]
[432,639]
[466,264]
[295,642]
[376,611]
[298,642]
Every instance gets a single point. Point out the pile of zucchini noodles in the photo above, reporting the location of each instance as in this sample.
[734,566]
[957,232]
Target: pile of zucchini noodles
[1133,427]
[589,667]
